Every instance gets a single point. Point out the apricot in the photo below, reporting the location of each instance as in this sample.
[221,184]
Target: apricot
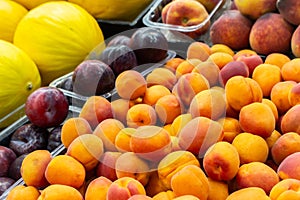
[249,193]
[294,95]
[279,95]
[239,86]
[23,192]
[188,85]
[221,48]
[60,192]
[198,50]
[210,71]
[273,138]
[87,149]
[97,188]
[179,122]
[124,188]
[246,52]
[251,148]
[271,105]
[122,140]
[33,168]
[165,195]
[295,42]
[186,67]
[120,108]
[220,58]
[107,131]
[139,197]
[266,70]
[153,93]
[286,189]
[154,185]
[172,163]
[251,60]
[141,115]
[129,164]
[289,167]
[257,118]
[233,68]
[106,166]
[65,170]
[217,189]
[199,134]
[257,174]
[290,71]
[161,76]
[231,128]
[186,197]
[173,63]
[95,110]
[221,161]
[130,84]
[181,183]
[278,59]
[284,146]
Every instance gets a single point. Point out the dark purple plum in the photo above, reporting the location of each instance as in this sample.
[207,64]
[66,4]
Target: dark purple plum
[14,169]
[54,139]
[7,156]
[119,40]
[5,183]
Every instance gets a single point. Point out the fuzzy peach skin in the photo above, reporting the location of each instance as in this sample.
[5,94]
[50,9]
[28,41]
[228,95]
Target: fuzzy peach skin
[181,183]
[286,189]
[289,167]
[249,193]
[172,163]
[288,123]
[97,188]
[199,134]
[221,161]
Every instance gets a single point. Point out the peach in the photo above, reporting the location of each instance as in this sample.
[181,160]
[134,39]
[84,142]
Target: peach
[251,148]
[161,76]
[278,59]
[97,188]
[151,143]
[261,7]
[288,122]
[209,103]
[286,189]
[257,174]
[95,110]
[72,128]
[271,105]
[87,149]
[279,95]
[289,9]
[139,197]
[122,141]
[198,50]
[172,163]
[290,71]
[257,118]
[233,68]
[153,93]
[106,166]
[221,48]
[60,192]
[33,168]
[199,134]
[186,67]
[250,193]
[179,122]
[124,188]
[210,71]
[221,161]
[141,115]
[129,164]
[231,29]
[188,85]
[23,192]
[272,139]
[165,195]
[167,108]
[65,170]
[107,131]
[154,185]
[181,183]
[239,86]
[220,58]
[295,42]
[289,167]
[130,84]
[231,128]
[218,190]
[120,108]
[294,95]
[284,146]
[270,33]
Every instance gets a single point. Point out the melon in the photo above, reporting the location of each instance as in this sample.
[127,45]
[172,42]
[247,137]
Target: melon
[57,35]
[30,4]
[19,77]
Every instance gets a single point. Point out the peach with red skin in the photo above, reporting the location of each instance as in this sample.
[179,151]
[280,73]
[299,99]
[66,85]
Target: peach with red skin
[290,10]
[295,40]
[233,68]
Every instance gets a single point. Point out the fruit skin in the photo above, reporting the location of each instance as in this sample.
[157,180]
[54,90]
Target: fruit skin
[97,188]
[290,10]
[106,166]
[271,33]
[231,69]
[7,156]
[250,193]
[231,29]
[288,168]
[23,192]
[93,77]
[295,40]
[60,192]
[15,87]
[68,27]
[15,167]
[286,189]
[47,107]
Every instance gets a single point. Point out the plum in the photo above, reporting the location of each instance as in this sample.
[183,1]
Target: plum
[47,107]
[14,169]
[7,156]
[119,40]
[54,138]
[149,45]
[28,138]
[5,183]
[93,77]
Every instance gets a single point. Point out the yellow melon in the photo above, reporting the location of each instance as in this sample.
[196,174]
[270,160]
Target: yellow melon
[19,77]
[29,4]
[10,15]
[57,35]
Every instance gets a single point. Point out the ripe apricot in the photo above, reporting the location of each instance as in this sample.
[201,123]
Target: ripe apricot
[220,59]
[60,192]
[22,192]
[153,93]
[278,59]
